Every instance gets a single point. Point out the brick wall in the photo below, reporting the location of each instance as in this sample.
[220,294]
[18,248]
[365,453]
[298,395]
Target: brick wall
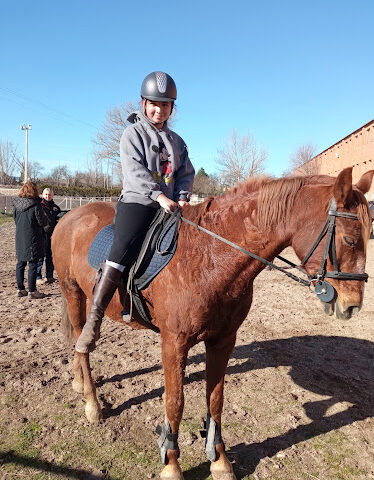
[356,150]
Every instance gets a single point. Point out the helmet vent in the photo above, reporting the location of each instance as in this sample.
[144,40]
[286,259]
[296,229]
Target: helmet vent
[161,81]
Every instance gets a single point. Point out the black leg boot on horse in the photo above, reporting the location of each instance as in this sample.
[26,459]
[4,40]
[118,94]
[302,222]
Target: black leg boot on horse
[106,284]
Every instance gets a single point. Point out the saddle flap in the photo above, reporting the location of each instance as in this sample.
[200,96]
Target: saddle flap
[157,250]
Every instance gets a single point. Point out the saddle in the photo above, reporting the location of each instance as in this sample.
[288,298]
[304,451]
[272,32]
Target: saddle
[155,253]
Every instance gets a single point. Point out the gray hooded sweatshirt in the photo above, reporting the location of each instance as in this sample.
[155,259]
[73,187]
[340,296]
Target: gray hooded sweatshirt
[153,162]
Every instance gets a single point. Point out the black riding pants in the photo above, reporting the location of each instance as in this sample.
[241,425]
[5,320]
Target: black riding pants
[131,224]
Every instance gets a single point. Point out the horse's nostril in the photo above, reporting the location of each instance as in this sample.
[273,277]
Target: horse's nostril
[354,310]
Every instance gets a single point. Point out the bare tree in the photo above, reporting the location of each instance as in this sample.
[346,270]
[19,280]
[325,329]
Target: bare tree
[301,161]
[35,170]
[240,158]
[11,162]
[60,176]
[208,185]
[107,141]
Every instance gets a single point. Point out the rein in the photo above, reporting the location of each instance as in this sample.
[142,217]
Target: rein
[324,290]
[247,252]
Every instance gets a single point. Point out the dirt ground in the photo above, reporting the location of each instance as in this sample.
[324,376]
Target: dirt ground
[299,399]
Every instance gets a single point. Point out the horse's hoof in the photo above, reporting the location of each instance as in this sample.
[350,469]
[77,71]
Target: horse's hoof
[93,412]
[222,471]
[223,476]
[77,386]
[171,472]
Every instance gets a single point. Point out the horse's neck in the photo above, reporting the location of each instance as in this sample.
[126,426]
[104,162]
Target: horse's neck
[238,223]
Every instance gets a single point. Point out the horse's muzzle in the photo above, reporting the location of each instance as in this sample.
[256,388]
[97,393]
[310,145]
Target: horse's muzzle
[335,308]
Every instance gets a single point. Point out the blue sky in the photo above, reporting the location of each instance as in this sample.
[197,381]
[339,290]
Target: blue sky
[288,72]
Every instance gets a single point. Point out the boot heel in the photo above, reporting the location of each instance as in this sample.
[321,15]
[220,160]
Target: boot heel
[126,316]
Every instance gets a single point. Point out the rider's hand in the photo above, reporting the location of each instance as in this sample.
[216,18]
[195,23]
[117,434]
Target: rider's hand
[182,203]
[166,203]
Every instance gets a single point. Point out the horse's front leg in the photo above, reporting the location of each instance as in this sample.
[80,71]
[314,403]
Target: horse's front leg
[92,408]
[174,358]
[217,356]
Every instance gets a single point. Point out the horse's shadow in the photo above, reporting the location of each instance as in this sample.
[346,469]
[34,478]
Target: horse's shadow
[340,368]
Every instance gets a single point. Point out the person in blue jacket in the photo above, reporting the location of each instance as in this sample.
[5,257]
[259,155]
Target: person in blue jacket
[157,173]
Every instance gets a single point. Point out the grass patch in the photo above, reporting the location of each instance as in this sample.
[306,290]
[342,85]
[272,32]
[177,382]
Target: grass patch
[21,445]
[335,449]
[191,426]
[27,436]
[5,217]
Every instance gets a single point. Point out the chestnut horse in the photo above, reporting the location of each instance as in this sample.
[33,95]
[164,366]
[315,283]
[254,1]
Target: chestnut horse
[205,292]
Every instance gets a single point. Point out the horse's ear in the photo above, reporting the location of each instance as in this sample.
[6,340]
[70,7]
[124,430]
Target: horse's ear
[365,181]
[343,186]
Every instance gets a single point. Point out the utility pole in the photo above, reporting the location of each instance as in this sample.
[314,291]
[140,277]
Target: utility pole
[27,128]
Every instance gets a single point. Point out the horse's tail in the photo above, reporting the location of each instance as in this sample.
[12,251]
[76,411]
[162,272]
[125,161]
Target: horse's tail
[66,326]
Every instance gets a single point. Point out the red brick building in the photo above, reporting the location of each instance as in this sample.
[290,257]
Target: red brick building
[355,150]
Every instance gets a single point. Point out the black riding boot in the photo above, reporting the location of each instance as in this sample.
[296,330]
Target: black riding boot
[103,292]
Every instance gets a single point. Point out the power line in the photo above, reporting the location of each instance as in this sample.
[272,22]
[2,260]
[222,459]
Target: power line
[46,107]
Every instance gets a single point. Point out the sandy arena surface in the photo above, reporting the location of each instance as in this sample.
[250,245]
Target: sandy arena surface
[299,399]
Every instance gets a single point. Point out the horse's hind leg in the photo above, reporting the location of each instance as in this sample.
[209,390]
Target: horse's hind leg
[217,356]
[82,382]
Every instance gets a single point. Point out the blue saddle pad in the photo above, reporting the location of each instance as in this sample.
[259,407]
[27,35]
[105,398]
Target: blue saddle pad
[158,249]
[100,247]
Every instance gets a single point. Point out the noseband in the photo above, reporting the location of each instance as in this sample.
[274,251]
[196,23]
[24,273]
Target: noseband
[324,290]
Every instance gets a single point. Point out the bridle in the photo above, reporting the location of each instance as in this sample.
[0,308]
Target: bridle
[322,287]
[324,290]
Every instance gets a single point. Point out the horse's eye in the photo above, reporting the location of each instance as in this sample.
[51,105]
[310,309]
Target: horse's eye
[350,241]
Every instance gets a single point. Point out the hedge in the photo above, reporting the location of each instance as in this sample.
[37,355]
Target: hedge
[82,191]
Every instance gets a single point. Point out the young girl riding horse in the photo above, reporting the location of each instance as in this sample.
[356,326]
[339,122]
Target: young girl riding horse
[157,172]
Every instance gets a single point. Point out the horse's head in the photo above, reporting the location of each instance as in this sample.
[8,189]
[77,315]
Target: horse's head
[346,253]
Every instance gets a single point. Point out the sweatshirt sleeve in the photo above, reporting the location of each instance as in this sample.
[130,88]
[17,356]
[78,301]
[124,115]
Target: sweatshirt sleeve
[138,177]
[184,178]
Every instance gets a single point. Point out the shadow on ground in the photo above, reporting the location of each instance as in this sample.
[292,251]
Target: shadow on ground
[49,467]
[338,367]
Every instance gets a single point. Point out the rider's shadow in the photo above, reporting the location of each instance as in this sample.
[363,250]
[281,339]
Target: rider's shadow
[339,368]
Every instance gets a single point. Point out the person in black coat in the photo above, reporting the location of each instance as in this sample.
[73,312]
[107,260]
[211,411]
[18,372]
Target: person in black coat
[52,210]
[30,220]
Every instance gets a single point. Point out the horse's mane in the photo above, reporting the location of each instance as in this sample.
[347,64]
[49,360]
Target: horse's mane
[275,199]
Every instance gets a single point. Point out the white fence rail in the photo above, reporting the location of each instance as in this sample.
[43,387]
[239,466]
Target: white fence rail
[68,203]
[65,203]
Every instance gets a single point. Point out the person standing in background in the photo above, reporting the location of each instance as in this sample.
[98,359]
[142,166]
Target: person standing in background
[52,210]
[30,220]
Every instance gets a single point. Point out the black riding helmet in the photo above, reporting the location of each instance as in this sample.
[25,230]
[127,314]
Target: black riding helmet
[159,87]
